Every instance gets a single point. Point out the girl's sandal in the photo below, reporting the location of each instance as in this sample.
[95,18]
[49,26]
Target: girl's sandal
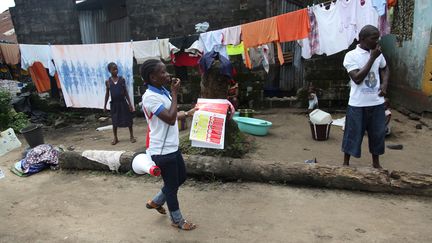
[114,141]
[159,208]
[132,140]
[184,225]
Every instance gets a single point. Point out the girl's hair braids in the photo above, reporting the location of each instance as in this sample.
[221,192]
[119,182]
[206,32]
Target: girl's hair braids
[147,68]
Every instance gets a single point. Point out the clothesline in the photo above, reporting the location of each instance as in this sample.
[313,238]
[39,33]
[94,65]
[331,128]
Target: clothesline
[276,37]
[323,3]
[319,31]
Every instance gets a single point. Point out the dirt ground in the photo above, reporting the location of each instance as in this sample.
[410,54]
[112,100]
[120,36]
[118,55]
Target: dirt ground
[72,206]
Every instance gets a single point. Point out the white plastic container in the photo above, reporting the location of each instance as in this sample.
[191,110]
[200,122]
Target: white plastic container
[320,117]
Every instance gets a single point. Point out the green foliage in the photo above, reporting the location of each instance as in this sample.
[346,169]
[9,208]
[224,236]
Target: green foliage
[236,144]
[8,116]
[5,100]
[18,120]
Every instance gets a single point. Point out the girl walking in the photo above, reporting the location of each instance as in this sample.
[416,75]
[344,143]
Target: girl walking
[160,109]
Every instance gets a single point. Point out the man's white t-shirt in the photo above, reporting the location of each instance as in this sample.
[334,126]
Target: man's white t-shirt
[154,101]
[365,93]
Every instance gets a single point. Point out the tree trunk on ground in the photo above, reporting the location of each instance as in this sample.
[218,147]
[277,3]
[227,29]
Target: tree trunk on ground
[363,179]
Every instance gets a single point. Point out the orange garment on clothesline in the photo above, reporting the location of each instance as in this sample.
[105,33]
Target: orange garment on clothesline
[40,77]
[11,54]
[259,33]
[293,25]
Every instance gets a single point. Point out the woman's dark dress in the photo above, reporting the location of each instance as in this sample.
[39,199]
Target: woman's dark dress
[120,113]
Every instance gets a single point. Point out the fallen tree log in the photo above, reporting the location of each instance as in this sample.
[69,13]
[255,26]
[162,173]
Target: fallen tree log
[74,161]
[351,178]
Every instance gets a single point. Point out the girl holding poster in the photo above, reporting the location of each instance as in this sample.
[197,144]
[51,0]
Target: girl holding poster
[160,109]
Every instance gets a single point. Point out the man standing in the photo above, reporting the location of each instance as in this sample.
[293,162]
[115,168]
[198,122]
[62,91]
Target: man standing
[369,75]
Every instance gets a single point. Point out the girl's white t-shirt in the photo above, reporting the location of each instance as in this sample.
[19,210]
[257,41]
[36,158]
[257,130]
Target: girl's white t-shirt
[155,101]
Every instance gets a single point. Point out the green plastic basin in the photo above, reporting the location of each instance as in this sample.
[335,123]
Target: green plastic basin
[253,126]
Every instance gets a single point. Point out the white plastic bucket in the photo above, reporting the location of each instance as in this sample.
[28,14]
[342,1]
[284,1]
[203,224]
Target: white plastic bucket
[320,117]
[143,164]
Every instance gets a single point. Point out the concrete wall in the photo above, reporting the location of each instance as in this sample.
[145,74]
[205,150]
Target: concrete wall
[329,75]
[170,18]
[46,21]
[407,63]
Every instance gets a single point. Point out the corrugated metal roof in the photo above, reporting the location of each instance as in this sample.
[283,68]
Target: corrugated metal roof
[96,29]
[7,31]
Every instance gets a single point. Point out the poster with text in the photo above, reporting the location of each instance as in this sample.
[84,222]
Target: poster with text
[208,123]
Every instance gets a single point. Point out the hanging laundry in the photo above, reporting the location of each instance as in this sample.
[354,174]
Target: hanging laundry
[293,25]
[403,20]
[213,41]
[233,50]
[173,49]
[262,56]
[196,48]
[36,53]
[208,58]
[256,57]
[187,52]
[183,42]
[144,50]
[10,53]
[310,45]
[232,35]
[258,33]
[332,39]
[185,59]
[380,6]
[366,15]
[164,49]
[271,53]
[40,78]
[297,62]
[383,24]
[347,11]
[83,71]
